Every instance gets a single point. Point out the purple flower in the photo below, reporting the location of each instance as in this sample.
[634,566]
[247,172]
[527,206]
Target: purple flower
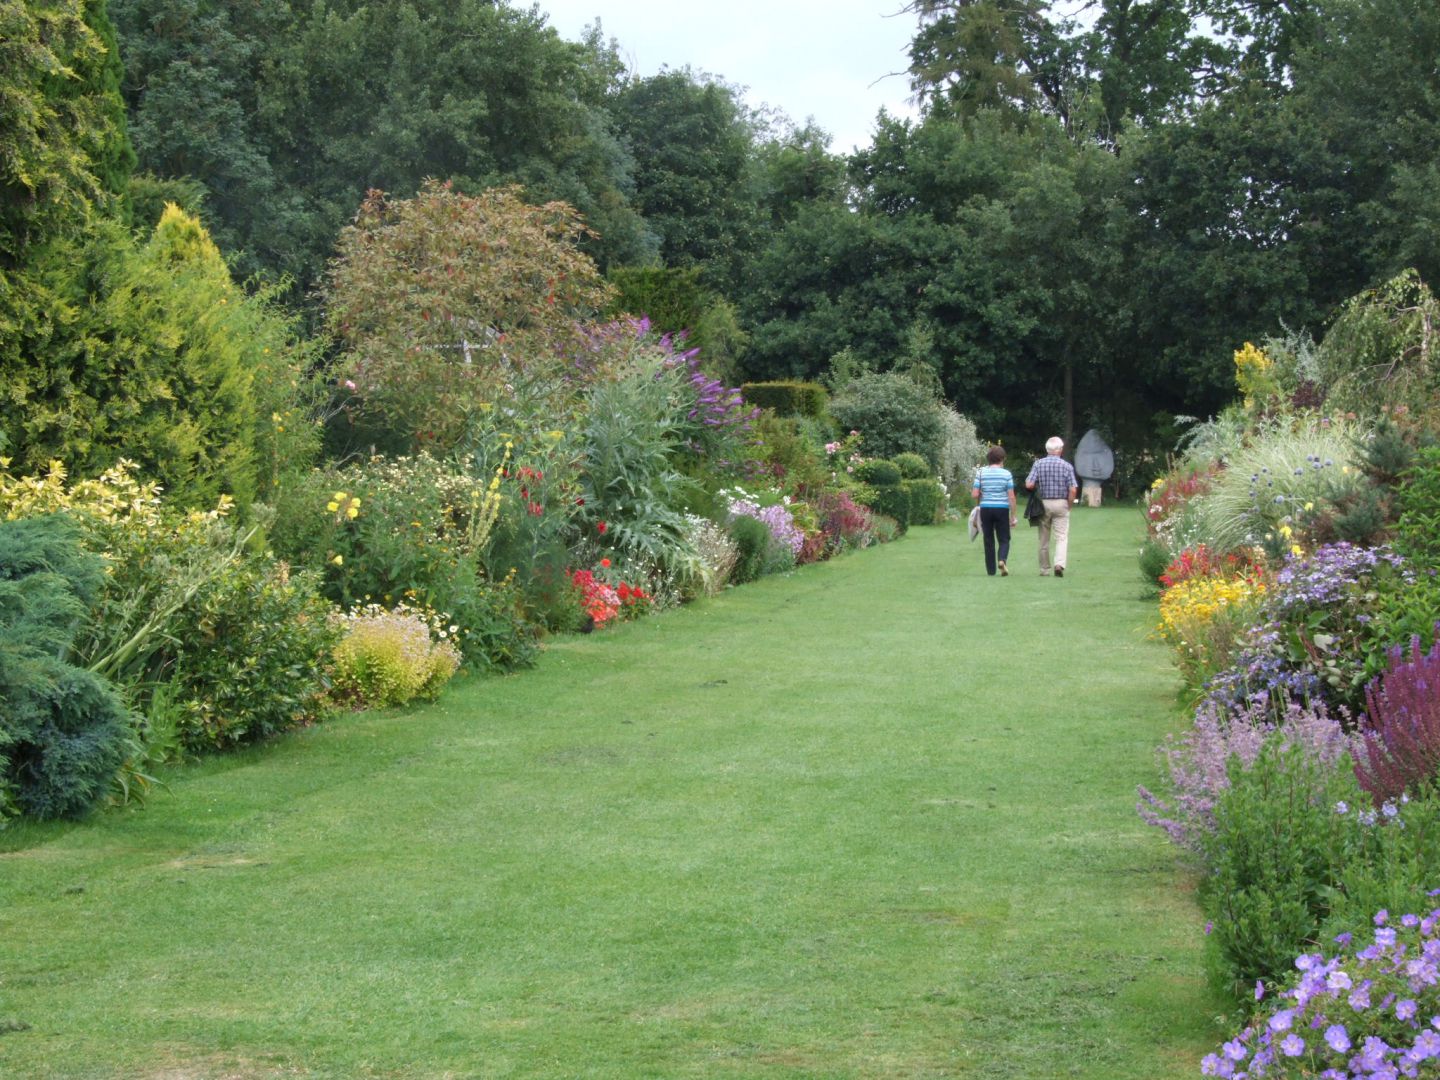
[1292,1046]
[1427,1045]
[1337,1038]
[1405,1009]
[1360,997]
[1282,1020]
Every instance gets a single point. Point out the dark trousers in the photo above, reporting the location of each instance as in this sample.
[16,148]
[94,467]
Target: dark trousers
[995,525]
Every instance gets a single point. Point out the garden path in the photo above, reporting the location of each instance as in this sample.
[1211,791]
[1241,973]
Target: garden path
[873,819]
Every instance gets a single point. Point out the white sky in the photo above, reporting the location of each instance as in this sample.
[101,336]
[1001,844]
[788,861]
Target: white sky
[825,59]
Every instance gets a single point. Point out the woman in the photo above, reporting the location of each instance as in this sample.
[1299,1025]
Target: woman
[995,492]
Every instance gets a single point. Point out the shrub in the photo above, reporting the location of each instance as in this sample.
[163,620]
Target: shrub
[1417,533]
[926,501]
[1155,559]
[166,362]
[1364,1010]
[787,397]
[893,415]
[1379,350]
[391,530]
[878,472]
[254,657]
[961,452]
[893,502]
[787,453]
[912,466]
[753,542]
[418,281]
[844,523]
[64,732]
[1275,858]
[1401,731]
[389,657]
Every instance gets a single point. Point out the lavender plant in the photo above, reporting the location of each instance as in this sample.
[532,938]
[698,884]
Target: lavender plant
[1200,761]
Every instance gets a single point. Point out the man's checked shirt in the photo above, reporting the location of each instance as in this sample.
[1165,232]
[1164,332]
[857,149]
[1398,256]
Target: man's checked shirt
[1053,477]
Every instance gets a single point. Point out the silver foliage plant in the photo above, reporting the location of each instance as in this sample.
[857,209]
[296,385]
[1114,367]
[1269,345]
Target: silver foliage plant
[961,453]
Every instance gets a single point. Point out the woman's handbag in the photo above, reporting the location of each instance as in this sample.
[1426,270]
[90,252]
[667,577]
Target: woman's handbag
[1034,508]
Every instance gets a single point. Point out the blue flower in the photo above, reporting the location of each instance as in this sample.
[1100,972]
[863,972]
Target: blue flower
[1337,1038]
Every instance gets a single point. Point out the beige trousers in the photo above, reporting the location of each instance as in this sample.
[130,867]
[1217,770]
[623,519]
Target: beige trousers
[1056,522]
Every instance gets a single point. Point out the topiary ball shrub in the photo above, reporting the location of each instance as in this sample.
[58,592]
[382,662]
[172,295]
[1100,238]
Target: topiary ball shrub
[878,472]
[913,467]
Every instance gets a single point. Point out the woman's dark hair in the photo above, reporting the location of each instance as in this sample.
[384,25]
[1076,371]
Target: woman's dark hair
[995,455]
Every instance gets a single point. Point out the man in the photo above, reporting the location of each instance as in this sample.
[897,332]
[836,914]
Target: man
[1054,479]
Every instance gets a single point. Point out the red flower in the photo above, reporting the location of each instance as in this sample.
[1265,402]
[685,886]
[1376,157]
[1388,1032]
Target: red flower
[600,527]
[605,563]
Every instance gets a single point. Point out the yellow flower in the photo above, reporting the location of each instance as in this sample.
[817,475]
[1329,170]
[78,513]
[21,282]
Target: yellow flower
[352,513]
[339,496]
[338,560]
[1310,506]
[1296,549]
[332,506]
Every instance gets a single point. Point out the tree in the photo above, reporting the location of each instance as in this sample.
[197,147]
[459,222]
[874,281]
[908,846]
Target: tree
[675,301]
[447,303]
[691,143]
[289,114]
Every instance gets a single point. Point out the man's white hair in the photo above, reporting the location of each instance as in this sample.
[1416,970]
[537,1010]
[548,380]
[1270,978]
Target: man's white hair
[1054,444]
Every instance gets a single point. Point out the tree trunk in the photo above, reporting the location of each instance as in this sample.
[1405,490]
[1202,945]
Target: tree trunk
[1069,433]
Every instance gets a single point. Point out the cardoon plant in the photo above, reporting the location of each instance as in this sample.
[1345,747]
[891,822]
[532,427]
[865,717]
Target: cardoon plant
[1401,730]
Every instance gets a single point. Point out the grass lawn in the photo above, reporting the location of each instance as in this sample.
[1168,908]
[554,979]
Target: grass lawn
[873,819]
